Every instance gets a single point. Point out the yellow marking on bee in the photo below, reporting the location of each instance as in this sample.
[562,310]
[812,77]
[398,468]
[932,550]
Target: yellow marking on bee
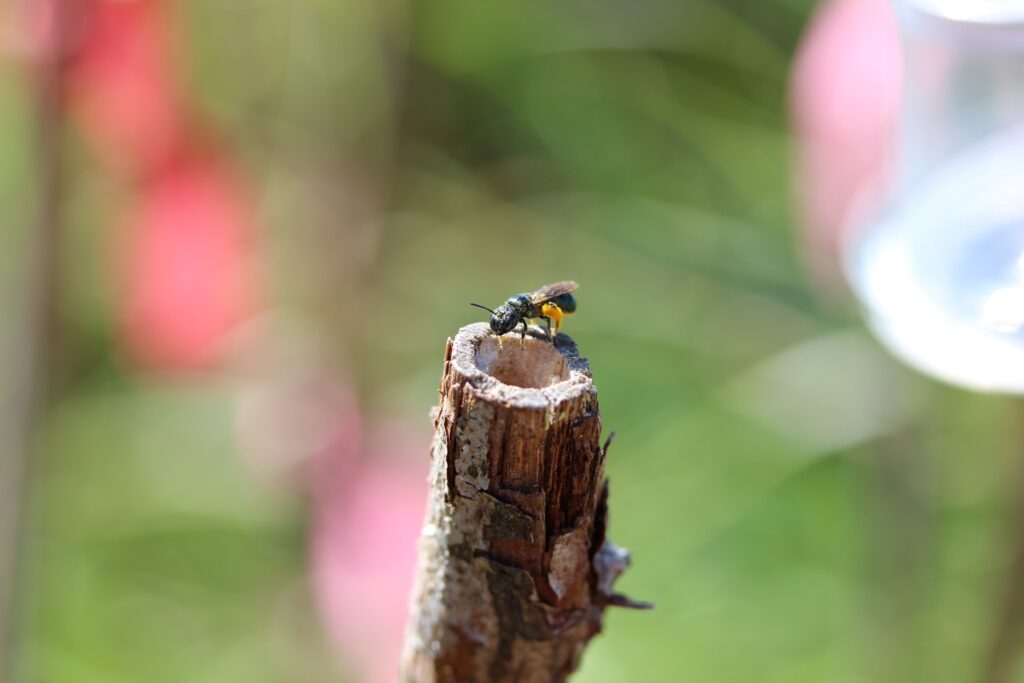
[555,313]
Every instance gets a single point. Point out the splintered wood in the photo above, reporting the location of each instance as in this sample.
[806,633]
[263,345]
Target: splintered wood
[515,570]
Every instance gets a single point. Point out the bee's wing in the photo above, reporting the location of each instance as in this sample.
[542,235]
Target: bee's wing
[549,292]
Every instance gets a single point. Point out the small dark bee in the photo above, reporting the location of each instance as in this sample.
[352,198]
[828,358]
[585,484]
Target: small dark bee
[550,302]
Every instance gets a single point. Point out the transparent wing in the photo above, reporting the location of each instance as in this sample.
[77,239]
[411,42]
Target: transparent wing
[552,291]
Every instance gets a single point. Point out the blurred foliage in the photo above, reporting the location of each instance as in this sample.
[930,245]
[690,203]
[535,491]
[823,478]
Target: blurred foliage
[157,560]
[410,158]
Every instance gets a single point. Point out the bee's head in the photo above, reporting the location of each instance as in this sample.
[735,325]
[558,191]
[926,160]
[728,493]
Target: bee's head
[503,318]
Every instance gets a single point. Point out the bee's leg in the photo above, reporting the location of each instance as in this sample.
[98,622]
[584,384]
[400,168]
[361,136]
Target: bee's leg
[547,323]
[522,335]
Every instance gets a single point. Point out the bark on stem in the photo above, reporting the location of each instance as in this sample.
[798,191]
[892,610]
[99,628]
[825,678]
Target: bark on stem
[515,570]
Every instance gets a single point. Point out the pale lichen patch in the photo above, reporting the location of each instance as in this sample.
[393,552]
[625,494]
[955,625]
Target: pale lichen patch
[569,563]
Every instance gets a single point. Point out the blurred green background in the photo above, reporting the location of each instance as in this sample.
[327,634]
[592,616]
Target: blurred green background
[800,507]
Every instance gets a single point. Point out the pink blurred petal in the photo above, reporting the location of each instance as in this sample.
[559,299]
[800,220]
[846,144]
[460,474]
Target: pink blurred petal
[122,82]
[363,550]
[187,265]
[845,103]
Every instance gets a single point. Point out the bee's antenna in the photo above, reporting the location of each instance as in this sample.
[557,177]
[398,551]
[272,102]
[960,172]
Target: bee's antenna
[483,307]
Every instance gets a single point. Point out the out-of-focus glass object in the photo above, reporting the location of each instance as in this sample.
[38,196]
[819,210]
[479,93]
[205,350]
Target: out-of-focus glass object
[940,270]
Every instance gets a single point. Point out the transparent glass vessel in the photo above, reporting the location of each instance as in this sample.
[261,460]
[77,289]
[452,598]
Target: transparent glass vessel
[940,270]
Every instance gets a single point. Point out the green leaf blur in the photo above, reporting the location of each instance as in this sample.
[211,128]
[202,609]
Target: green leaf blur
[410,158]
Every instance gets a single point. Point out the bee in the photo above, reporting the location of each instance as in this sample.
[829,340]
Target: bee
[550,302]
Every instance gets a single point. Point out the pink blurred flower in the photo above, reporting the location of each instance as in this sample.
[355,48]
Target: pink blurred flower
[122,83]
[363,549]
[187,259]
[187,264]
[300,425]
[845,102]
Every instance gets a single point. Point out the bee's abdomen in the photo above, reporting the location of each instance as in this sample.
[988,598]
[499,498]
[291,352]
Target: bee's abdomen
[567,302]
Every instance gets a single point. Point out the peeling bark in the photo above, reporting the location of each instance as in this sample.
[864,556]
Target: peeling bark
[515,570]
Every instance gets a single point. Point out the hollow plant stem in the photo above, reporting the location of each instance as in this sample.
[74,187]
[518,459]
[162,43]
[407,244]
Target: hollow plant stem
[515,570]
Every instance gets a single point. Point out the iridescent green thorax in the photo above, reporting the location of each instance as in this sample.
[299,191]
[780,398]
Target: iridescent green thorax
[522,305]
